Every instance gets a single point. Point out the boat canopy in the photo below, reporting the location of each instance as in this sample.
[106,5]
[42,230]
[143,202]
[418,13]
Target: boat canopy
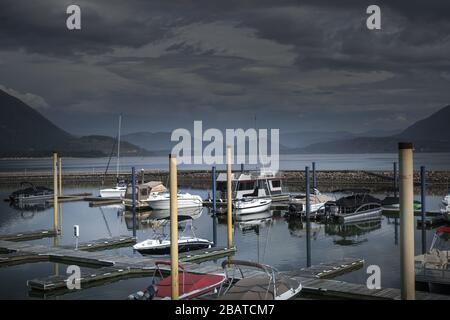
[144,189]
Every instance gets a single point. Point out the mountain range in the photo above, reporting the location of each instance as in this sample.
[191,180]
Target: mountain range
[24,132]
[431,134]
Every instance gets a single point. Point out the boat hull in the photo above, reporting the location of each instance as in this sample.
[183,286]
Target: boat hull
[182,247]
[251,207]
[164,204]
[112,193]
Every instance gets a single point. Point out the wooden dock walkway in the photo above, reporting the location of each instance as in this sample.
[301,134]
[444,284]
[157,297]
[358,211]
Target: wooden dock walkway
[110,267]
[333,289]
[30,235]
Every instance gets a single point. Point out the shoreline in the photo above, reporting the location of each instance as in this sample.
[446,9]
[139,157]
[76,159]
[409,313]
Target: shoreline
[327,180]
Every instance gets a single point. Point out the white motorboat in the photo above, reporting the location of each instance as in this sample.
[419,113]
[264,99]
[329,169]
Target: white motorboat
[445,207]
[160,242]
[161,245]
[116,192]
[267,284]
[185,200]
[297,203]
[251,205]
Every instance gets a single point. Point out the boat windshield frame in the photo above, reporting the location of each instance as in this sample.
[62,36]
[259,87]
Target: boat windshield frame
[236,264]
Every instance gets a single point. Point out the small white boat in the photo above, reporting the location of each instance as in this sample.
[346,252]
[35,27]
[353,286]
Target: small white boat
[160,242]
[297,203]
[115,192]
[185,200]
[162,245]
[251,205]
[121,187]
[445,207]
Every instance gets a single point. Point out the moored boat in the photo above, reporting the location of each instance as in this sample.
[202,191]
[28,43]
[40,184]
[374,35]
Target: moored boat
[144,191]
[161,201]
[251,205]
[269,284]
[297,203]
[160,242]
[359,205]
[31,193]
[262,184]
[191,285]
[445,208]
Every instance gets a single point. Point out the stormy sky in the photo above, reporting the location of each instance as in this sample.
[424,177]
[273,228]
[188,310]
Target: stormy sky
[295,65]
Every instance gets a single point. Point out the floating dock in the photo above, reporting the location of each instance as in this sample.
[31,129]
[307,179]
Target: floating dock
[31,235]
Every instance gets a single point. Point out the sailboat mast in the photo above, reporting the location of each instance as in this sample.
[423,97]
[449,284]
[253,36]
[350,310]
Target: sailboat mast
[118,147]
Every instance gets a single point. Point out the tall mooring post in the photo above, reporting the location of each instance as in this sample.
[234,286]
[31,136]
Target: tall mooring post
[407,272]
[229,201]
[214,207]
[423,195]
[173,185]
[314,176]
[60,192]
[55,191]
[308,223]
[133,198]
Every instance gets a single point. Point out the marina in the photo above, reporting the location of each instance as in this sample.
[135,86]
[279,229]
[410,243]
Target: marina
[109,260]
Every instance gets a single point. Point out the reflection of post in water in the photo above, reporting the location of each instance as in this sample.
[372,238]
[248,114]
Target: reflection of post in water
[423,192]
[56,265]
[214,208]
[396,230]
[308,223]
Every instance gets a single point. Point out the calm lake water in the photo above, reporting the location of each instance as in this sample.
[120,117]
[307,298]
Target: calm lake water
[382,161]
[279,242]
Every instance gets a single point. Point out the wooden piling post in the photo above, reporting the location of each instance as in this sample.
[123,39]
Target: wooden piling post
[395,179]
[133,198]
[55,191]
[60,193]
[214,208]
[407,271]
[314,176]
[423,195]
[229,201]
[308,222]
[173,226]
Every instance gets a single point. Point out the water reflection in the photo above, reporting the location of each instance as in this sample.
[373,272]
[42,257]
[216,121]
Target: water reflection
[153,219]
[350,234]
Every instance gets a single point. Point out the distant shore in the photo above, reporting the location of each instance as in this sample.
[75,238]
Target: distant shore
[327,180]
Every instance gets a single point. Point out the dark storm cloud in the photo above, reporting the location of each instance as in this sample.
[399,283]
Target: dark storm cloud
[297,64]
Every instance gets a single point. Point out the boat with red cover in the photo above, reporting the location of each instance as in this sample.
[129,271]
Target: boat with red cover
[191,285]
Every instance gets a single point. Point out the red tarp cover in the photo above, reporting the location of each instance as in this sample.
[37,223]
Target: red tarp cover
[191,282]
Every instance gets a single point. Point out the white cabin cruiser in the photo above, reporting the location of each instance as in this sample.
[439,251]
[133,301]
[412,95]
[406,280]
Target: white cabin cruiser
[251,205]
[185,200]
[261,184]
[144,191]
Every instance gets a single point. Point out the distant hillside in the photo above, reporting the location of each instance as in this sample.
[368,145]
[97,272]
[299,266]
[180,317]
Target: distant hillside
[428,135]
[24,132]
[24,129]
[154,141]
